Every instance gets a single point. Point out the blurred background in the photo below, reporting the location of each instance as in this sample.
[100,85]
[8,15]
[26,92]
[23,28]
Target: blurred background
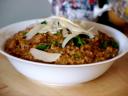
[12,11]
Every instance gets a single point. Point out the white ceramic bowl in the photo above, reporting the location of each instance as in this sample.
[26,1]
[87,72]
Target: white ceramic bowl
[61,74]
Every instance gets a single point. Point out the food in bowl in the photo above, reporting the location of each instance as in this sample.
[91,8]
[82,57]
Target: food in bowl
[60,41]
[58,74]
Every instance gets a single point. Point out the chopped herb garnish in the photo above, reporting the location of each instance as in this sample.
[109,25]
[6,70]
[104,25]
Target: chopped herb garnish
[78,41]
[115,44]
[42,47]
[24,33]
[77,55]
[44,22]
[58,33]
[54,43]
[105,43]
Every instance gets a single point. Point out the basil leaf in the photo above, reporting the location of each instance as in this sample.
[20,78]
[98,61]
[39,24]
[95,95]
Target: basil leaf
[42,47]
[104,44]
[115,44]
[44,22]
[78,41]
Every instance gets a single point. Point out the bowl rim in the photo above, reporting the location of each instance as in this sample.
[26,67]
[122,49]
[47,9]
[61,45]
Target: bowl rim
[61,65]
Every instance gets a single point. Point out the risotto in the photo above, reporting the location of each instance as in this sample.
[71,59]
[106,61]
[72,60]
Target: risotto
[61,42]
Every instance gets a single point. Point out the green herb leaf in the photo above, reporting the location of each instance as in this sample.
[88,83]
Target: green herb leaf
[42,47]
[115,44]
[78,41]
[54,43]
[77,55]
[58,33]
[24,33]
[44,22]
[104,44]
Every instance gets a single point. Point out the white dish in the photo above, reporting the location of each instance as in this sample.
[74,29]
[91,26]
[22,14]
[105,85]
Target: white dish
[61,75]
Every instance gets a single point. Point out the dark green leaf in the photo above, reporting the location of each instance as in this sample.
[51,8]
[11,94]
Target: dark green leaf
[42,47]
[115,44]
[104,44]
[44,22]
[78,41]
